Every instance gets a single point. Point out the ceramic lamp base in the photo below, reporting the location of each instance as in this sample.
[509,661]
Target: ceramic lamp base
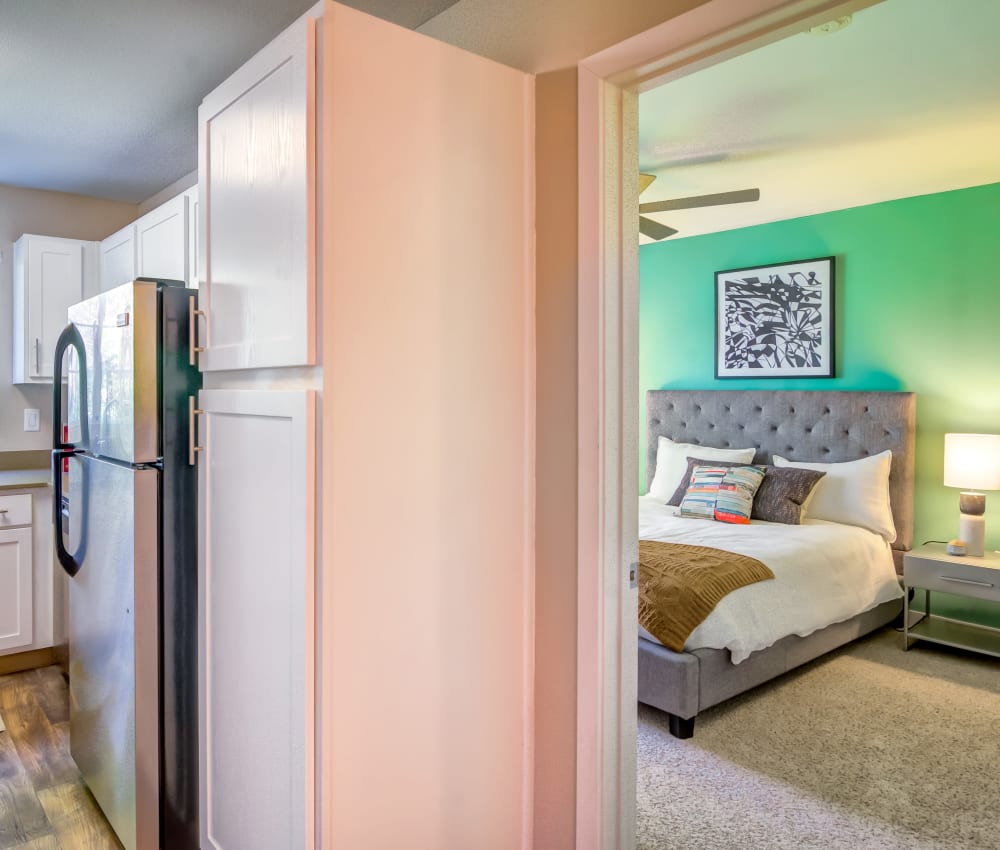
[972,530]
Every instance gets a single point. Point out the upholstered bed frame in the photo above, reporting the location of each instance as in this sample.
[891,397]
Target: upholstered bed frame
[799,425]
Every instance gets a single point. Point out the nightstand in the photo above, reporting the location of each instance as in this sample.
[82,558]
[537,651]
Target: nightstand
[931,568]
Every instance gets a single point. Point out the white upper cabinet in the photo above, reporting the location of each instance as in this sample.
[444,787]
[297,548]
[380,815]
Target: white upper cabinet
[118,258]
[161,245]
[48,278]
[257,232]
[161,241]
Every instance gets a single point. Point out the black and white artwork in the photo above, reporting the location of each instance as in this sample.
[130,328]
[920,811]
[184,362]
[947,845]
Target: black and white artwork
[775,321]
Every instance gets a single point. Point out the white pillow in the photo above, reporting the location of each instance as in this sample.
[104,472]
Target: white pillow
[671,463]
[855,492]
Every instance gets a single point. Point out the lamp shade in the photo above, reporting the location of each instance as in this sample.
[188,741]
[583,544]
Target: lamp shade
[972,461]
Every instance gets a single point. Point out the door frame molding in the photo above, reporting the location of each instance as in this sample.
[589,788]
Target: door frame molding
[607,338]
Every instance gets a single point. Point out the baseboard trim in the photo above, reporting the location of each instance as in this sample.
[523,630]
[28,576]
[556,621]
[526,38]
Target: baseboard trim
[21,661]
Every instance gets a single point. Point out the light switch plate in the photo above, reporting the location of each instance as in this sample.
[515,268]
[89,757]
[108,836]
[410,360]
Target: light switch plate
[32,418]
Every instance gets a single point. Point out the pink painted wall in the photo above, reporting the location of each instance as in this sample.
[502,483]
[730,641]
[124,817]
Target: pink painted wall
[428,442]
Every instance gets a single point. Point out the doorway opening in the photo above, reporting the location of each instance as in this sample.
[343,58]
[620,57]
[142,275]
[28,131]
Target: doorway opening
[612,88]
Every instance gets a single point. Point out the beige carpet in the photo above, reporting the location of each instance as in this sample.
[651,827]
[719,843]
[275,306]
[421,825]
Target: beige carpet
[868,747]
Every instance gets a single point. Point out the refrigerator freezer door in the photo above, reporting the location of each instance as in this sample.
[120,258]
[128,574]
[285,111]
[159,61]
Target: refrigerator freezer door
[113,643]
[178,578]
[120,333]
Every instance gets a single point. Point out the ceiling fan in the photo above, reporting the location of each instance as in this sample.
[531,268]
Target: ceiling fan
[657,231]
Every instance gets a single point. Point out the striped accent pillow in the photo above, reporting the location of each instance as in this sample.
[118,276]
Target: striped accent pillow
[722,493]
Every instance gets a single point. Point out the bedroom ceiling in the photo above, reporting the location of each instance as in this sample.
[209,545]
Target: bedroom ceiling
[903,101]
[100,98]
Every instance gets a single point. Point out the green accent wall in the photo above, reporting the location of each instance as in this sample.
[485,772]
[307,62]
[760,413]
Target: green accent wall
[917,304]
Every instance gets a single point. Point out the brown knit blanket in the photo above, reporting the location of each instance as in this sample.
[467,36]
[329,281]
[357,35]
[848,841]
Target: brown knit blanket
[680,585]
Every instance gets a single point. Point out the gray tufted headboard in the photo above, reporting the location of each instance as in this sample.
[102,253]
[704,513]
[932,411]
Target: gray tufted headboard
[824,426]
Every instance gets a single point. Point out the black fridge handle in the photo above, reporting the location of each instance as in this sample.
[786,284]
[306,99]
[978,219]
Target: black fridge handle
[61,450]
[70,337]
[70,563]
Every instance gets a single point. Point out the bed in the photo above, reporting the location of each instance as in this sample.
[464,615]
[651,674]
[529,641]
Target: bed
[827,426]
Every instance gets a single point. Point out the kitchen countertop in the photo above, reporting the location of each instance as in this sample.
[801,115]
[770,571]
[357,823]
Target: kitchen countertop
[30,459]
[22,479]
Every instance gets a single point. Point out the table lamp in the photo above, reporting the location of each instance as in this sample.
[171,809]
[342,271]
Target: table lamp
[972,463]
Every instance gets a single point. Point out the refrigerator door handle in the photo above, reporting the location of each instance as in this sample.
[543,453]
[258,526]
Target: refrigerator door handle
[70,337]
[69,562]
[193,447]
[193,348]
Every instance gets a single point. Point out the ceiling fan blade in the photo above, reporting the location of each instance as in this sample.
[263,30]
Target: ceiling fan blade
[739,197]
[653,229]
[644,181]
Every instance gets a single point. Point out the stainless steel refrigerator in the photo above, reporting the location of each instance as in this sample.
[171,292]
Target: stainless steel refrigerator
[126,533]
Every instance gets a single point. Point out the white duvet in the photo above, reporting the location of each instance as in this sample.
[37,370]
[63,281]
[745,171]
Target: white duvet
[824,572]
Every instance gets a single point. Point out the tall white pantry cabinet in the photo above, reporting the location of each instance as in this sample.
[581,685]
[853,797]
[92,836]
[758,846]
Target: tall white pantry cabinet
[258,449]
[339,695]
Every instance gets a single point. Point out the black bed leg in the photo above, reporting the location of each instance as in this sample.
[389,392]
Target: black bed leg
[680,727]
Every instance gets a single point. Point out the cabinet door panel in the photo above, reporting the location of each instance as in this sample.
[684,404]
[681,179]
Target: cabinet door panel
[161,240]
[55,281]
[256,170]
[118,258]
[15,589]
[256,619]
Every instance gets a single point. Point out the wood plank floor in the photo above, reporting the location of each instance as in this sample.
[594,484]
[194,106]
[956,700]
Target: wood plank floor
[44,804]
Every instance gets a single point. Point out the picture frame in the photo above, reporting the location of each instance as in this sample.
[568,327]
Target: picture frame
[776,321]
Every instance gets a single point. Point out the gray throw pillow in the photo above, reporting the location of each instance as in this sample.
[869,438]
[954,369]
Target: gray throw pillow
[780,496]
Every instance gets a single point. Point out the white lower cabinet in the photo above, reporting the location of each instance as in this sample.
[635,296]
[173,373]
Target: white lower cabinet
[31,589]
[257,619]
[15,589]
[16,574]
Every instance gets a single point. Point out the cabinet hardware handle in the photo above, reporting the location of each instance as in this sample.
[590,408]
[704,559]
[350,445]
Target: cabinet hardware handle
[193,447]
[193,313]
[967,581]
[4,511]
[38,356]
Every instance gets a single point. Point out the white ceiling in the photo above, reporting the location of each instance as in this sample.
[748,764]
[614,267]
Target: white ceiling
[548,35]
[904,101]
[100,97]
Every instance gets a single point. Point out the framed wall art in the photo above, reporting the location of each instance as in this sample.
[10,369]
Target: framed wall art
[775,321]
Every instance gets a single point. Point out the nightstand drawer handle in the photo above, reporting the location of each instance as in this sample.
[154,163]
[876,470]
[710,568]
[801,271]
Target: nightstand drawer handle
[967,581]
